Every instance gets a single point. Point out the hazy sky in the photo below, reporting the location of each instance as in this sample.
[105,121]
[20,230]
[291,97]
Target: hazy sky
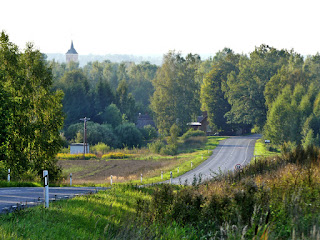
[157,26]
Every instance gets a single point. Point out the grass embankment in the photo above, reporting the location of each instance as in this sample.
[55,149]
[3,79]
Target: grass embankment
[19,184]
[280,200]
[262,150]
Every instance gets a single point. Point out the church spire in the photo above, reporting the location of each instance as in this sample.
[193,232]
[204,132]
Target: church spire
[72,54]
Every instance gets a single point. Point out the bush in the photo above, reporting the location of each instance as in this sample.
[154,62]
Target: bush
[155,147]
[192,133]
[129,135]
[169,150]
[148,132]
[100,148]
[68,156]
[95,133]
[116,155]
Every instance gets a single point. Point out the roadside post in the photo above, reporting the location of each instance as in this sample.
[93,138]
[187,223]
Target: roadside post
[201,156]
[111,180]
[238,168]
[46,188]
[178,170]
[9,175]
[161,175]
[70,179]
[191,164]
[170,177]
[141,177]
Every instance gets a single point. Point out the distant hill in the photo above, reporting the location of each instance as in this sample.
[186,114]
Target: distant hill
[84,59]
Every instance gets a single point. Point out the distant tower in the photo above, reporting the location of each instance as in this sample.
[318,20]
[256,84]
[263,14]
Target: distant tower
[72,54]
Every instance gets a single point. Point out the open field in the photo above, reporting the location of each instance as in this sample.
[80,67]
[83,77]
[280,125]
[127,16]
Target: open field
[99,171]
[90,172]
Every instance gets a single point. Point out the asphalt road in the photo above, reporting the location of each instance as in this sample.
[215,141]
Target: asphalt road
[20,197]
[229,153]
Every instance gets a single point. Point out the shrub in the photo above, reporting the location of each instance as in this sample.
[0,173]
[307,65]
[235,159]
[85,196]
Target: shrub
[100,148]
[148,132]
[68,156]
[196,140]
[129,135]
[192,133]
[155,147]
[169,150]
[116,155]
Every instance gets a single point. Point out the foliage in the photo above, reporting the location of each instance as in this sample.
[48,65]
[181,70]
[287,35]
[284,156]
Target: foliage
[156,146]
[176,96]
[129,135]
[148,132]
[213,90]
[100,148]
[95,133]
[112,115]
[192,133]
[33,111]
[116,155]
[68,156]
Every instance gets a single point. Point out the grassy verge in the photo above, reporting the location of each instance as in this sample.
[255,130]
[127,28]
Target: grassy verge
[105,215]
[19,184]
[263,150]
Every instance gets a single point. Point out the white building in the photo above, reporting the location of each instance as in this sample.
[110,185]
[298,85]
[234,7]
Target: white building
[77,148]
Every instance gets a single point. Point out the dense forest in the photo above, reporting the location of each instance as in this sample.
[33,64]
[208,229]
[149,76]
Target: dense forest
[271,91]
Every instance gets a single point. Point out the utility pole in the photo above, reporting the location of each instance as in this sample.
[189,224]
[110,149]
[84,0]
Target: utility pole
[85,119]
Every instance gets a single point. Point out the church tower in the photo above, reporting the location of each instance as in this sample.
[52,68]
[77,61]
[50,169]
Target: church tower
[72,54]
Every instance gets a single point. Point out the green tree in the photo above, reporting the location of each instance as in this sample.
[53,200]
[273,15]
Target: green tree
[213,97]
[125,101]
[176,96]
[129,135]
[35,112]
[112,115]
[77,102]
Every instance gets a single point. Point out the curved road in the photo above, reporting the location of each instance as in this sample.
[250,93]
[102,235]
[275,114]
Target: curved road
[231,151]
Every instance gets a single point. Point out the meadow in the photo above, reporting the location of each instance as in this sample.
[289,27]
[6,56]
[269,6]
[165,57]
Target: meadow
[276,198]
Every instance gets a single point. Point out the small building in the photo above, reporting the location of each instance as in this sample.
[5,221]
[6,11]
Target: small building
[71,55]
[78,148]
[201,124]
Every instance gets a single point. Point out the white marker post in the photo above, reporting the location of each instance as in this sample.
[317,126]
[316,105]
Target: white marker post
[178,170]
[201,156]
[170,177]
[141,177]
[46,188]
[111,180]
[70,179]
[191,164]
[161,175]
[9,175]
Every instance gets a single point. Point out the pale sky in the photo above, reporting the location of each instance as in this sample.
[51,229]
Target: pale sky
[144,27]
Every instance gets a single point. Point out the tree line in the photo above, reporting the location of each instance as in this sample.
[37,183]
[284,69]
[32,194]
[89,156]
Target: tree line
[272,91]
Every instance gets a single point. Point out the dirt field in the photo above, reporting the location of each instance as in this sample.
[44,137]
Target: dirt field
[99,171]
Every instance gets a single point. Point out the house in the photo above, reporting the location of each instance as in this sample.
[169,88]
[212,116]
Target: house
[201,124]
